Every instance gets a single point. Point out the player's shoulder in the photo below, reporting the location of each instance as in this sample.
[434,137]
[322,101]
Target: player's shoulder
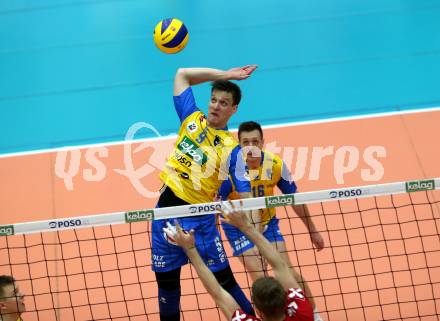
[272,157]
[226,138]
[233,146]
[274,162]
[197,117]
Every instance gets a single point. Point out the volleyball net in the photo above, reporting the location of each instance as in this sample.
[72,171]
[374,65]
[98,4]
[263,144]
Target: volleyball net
[381,261]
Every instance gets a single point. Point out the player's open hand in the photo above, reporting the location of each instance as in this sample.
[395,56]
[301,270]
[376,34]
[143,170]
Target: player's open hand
[179,235]
[235,215]
[240,73]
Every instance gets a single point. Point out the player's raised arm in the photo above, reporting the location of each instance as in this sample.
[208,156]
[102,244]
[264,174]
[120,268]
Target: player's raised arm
[186,240]
[186,77]
[280,268]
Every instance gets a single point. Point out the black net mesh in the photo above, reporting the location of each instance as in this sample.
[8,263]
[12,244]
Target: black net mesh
[381,262]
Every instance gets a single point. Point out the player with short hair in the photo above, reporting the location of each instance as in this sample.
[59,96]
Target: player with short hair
[277,298]
[11,300]
[204,154]
[266,170]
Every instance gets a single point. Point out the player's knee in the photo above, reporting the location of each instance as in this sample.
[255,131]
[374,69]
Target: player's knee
[226,278]
[168,281]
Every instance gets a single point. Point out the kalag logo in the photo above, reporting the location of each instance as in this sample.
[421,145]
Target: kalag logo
[6,230]
[423,185]
[65,223]
[205,208]
[346,193]
[189,148]
[274,201]
[139,216]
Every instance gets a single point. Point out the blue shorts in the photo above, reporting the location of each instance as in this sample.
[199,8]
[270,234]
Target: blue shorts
[167,256]
[240,243]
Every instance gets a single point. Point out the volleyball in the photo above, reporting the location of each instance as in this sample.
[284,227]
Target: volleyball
[170,35]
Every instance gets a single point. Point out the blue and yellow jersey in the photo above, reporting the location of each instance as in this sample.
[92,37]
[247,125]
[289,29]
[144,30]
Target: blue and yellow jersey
[272,172]
[202,157]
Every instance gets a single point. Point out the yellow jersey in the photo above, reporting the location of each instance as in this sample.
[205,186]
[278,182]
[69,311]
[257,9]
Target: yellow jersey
[202,157]
[272,172]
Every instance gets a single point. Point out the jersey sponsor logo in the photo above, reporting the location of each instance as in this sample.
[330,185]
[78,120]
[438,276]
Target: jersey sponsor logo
[139,216]
[217,140]
[159,261]
[182,159]
[422,185]
[66,223]
[241,243]
[283,200]
[6,230]
[192,126]
[205,208]
[220,250]
[202,136]
[347,193]
[189,148]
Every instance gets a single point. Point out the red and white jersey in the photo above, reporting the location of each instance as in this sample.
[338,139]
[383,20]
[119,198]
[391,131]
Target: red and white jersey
[298,308]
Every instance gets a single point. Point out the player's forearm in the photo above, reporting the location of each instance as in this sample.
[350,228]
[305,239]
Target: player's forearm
[199,75]
[223,299]
[303,213]
[206,276]
[265,248]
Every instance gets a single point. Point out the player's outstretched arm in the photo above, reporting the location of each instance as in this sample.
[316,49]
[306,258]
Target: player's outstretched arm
[221,297]
[288,186]
[303,213]
[239,219]
[186,77]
